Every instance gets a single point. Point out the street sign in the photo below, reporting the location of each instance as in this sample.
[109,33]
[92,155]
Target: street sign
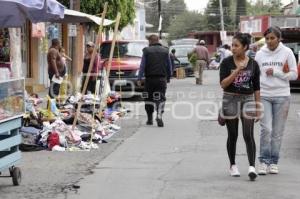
[72,31]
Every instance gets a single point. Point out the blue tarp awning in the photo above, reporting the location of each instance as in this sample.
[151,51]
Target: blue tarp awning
[13,13]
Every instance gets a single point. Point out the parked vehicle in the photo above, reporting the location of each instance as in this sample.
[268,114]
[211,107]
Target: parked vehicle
[295,84]
[125,64]
[185,41]
[182,52]
[291,38]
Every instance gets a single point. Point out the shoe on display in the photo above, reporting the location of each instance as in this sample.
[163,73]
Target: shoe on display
[234,171]
[114,127]
[252,173]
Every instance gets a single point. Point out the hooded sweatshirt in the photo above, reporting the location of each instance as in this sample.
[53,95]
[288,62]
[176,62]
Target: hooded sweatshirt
[278,84]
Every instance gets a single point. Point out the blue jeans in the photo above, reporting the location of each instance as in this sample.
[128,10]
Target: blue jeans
[272,126]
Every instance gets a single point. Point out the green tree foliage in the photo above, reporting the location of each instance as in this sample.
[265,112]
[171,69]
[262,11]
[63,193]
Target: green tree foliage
[262,7]
[168,11]
[172,9]
[212,13]
[152,14]
[185,23]
[95,7]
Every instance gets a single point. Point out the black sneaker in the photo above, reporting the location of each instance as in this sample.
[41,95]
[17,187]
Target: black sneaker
[160,123]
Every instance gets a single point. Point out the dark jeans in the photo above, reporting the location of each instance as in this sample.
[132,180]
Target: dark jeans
[155,95]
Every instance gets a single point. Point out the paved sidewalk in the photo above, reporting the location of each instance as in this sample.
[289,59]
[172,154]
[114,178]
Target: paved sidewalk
[187,159]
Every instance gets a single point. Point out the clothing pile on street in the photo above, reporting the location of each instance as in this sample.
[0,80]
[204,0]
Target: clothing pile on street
[53,128]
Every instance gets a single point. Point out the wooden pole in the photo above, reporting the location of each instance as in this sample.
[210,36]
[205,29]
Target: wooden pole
[76,50]
[106,78]
[98,43]
[113,44]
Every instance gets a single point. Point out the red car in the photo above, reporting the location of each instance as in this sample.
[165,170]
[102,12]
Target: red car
[125,64]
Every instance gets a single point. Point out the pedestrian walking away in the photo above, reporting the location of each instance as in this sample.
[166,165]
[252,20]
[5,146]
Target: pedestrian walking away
[173,59]
[56,68]
[239,78]
[278,65]
[202,60]
[156,67]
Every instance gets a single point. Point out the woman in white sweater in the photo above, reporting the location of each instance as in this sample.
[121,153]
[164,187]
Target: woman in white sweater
[277,65]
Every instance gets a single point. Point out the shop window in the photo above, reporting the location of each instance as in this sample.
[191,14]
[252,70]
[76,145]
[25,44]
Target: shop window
[4,55]
[4,46]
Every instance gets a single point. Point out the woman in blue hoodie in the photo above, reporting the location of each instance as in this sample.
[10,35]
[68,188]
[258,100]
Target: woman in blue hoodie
[277,65]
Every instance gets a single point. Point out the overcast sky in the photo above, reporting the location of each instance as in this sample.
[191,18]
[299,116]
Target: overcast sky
[199,5]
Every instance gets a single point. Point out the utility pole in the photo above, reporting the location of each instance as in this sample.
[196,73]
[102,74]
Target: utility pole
[159,19]
[222,32]
[222,15]
[71,4]
[295,6]
[77,50]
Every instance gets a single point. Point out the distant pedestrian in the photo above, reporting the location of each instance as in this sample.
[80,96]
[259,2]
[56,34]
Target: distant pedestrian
[91,86]
[64,58]
[173,59]
[252,51]
[64,86]
[56,68]
[239,78]
[224,52]
[156,67]
[278,66]
[202,60]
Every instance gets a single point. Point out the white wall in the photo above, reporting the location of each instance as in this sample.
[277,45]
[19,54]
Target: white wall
[137,30]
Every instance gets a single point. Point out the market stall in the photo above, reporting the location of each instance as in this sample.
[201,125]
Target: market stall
[14,13]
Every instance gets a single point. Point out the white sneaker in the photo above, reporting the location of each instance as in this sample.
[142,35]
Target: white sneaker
[273,169]
[234,171]
[252,173]
[262,168]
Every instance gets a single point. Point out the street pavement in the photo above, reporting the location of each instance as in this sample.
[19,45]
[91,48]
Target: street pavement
[45,174]
[187,159]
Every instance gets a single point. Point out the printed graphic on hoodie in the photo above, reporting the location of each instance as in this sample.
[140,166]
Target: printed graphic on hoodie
[272,63]
[243,79]
[278,65]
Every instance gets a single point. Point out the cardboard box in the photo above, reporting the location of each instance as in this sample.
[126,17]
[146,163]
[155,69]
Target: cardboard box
[180,73]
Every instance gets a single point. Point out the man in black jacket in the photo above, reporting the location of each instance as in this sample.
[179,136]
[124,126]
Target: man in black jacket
[156,67]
